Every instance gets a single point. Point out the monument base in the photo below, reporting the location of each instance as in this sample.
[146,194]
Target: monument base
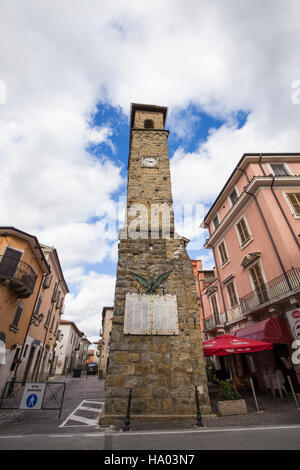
[113,419]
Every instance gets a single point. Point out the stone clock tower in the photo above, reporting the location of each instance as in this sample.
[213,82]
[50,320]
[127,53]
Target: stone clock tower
[156,346]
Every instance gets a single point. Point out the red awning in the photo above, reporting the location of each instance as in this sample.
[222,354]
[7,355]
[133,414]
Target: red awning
[274,330]
[225,345]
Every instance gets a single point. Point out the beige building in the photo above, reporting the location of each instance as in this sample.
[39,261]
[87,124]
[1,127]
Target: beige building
[107,314]
[32,296]
[23,270]
[51,306]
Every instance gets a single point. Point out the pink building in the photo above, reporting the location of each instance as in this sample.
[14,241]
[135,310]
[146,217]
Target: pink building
[254,227]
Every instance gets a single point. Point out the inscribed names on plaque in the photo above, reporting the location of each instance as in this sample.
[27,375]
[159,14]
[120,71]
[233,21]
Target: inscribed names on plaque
[151,315]
[165,317]
[137,315]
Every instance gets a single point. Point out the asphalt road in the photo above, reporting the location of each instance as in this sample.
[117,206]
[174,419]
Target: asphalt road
[256,438]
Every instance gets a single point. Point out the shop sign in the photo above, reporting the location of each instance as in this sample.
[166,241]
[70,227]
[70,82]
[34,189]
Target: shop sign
[293,317]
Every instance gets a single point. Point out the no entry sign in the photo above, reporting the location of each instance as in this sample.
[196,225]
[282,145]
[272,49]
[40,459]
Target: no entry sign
[33,395]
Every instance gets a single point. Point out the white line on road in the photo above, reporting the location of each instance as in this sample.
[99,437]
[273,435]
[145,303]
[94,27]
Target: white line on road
[204,430]
[86,421]
[180,431]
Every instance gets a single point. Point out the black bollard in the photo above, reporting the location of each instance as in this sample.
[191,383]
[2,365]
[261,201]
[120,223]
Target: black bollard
[11,385]
[127,419]
[199,417]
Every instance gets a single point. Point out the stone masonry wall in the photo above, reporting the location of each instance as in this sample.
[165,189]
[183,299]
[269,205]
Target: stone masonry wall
[161,370]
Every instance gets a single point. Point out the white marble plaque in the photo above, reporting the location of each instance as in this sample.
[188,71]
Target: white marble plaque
[151,315]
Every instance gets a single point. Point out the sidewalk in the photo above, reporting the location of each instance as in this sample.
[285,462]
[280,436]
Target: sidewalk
[18,421]
[273,412]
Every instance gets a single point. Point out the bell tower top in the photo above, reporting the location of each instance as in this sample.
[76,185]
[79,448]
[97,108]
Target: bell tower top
[146,116]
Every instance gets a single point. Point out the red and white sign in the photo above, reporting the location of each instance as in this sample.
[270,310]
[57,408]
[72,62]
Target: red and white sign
[293,317]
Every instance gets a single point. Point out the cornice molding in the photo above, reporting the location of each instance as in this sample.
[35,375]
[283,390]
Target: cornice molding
[254,185]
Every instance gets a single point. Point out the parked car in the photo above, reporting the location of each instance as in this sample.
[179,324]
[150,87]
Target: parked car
[92,368]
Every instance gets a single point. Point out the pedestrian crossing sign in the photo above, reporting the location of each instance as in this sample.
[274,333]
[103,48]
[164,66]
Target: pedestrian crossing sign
[33,395]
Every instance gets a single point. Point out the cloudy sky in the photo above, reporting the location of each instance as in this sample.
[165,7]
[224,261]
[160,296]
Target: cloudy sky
[229,73]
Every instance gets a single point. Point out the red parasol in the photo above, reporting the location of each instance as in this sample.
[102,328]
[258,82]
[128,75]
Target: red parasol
[225,345]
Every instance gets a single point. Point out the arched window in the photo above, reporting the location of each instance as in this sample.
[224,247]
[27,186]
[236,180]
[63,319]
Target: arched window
[148,124]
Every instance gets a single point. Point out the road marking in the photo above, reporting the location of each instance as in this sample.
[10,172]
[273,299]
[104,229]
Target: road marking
[83,406]
[180,431]
[201,430]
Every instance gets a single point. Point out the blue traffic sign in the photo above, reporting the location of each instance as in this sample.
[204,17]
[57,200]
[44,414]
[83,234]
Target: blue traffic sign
[31,400]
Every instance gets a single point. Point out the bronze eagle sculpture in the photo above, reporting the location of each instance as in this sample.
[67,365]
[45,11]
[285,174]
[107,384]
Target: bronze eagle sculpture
[152,284]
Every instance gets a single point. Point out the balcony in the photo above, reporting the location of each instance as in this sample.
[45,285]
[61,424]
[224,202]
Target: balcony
[20,277]
[214,321]
[234,314]
[274,291]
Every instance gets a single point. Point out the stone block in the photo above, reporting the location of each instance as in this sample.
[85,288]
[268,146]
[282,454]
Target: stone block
[120,406]
[121,357]
[133,357]
[232,407]
[167,406]
[138,406]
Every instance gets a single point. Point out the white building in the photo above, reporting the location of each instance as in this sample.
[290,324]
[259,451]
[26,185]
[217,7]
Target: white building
[71,348]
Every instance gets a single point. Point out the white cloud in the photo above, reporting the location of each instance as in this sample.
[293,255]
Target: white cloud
[95,291]
[76,243]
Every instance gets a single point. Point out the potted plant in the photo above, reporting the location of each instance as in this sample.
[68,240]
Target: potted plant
[229,401]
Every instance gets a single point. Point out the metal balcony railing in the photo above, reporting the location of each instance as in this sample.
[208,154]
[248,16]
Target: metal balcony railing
[21,275]
[277,287]
[213,321]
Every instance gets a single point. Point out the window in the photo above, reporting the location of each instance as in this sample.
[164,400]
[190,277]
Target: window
[214,304]
[18,313]
[243,231]
[233,197]
[52,323]
[25,350]
[223,253]
[54,292]
[232,294]
[279,169]
[9,262]
[37,307]
[148,124]
[216,222]
[57,300]
[48,318]
[259,285]
[294,199]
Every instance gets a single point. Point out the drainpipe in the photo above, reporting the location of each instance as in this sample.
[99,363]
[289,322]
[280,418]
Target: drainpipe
[283,213]
[278,203]
[200,293]
[221,287]
[271,239]
[261,167]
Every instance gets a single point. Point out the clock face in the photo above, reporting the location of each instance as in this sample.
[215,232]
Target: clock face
[150,162]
